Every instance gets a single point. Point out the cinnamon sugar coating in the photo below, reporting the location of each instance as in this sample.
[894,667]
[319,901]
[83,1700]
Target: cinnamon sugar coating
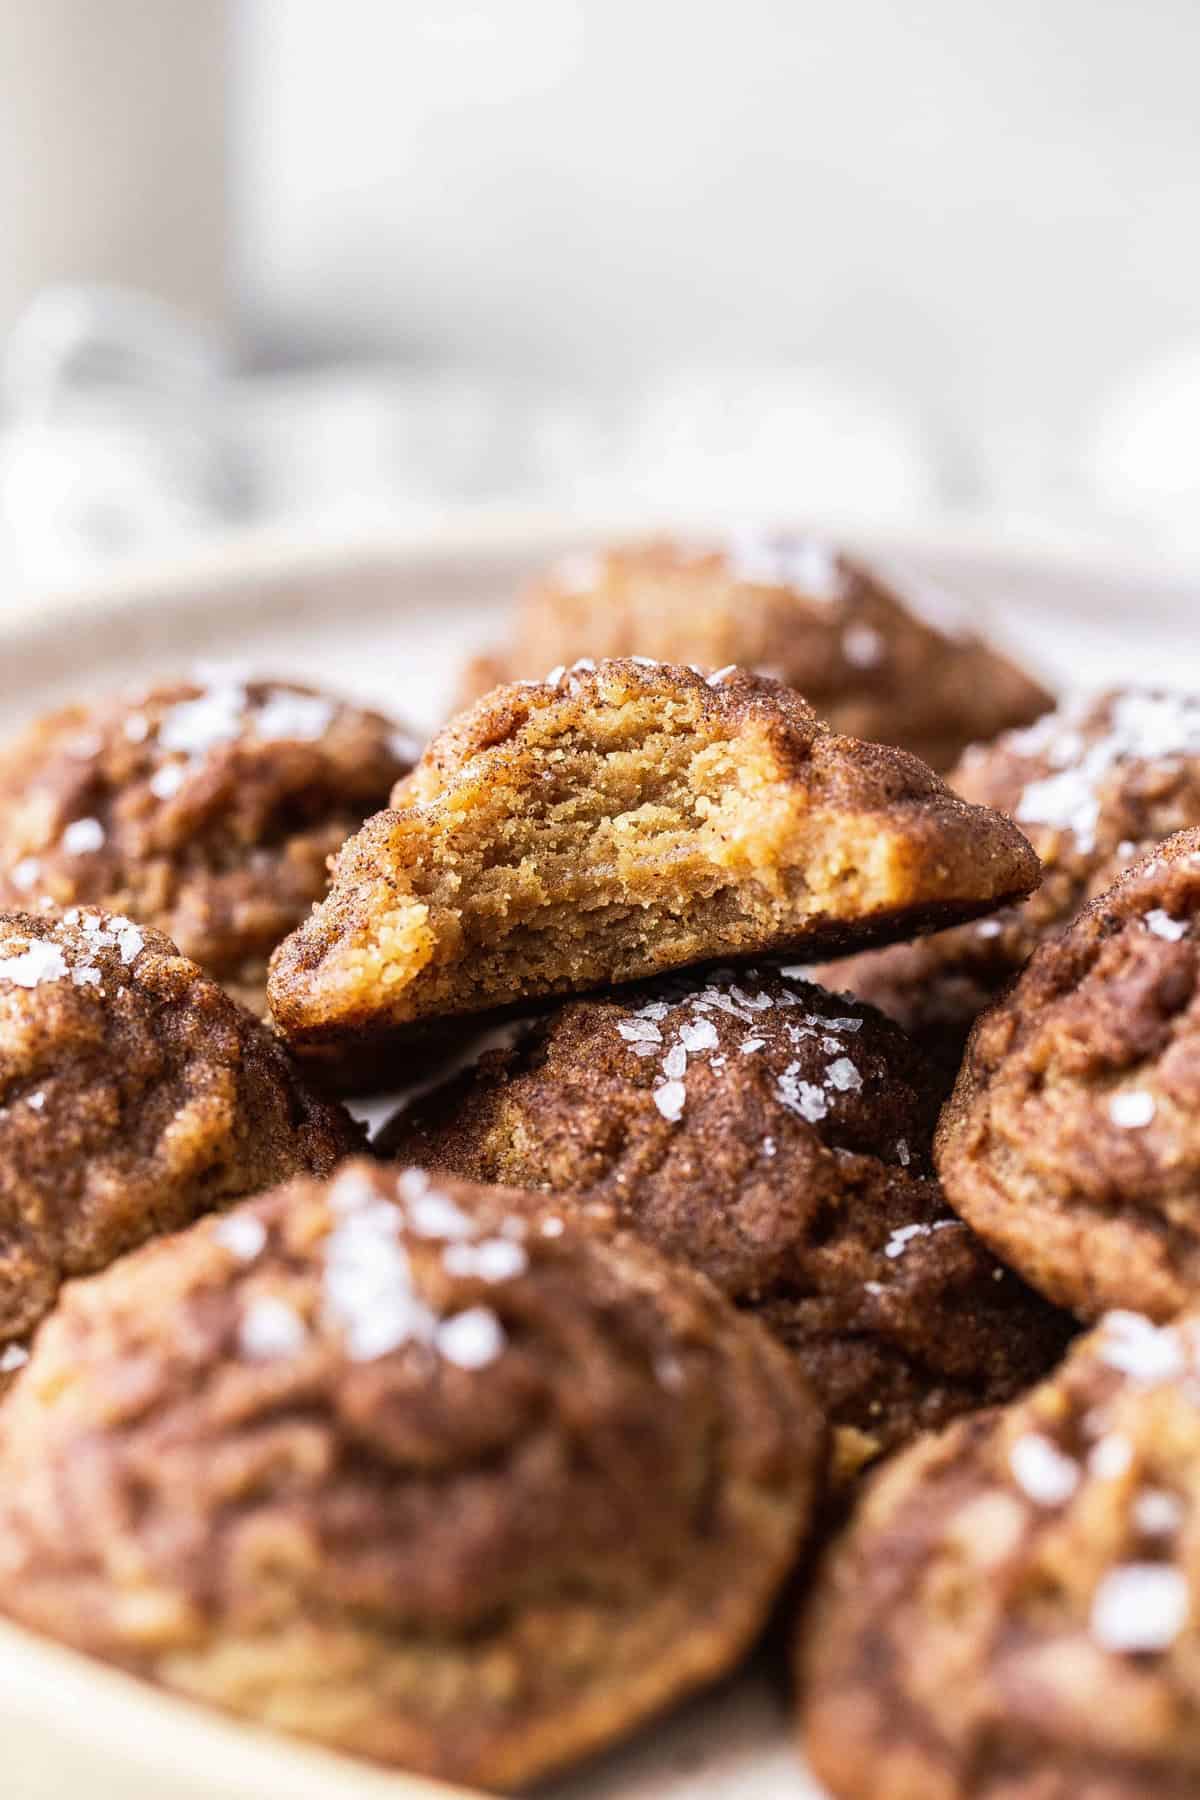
[209,812]
[414,1470]
[830,626]
[777,1138]
[134,1095]
[1071,1140]
[1015,1607]
[620,821]
[1094,786]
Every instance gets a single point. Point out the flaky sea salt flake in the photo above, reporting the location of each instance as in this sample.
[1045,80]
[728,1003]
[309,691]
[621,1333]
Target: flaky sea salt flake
[39,962]
[242,1235]
[166,782]
[1140,1607]
[82,837]
[1109,1459]
[670,1099]
[494,1260]
[470,1340]
[26,874]
[1147,1353]
[1164,926]
[640,1031]
[863,646]
[1041,1470]
[1132,1109]
[1157,1513]
[270,1328]
[698,1036]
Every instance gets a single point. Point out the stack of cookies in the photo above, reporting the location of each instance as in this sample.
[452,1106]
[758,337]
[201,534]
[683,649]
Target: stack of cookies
[680,1269]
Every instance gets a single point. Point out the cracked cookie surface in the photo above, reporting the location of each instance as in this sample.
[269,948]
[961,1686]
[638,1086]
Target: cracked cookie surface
[420,1470]
[778,1139]
[1071,1140]
[1094,786]
[206,810]
[1015,1607]
[134,1095]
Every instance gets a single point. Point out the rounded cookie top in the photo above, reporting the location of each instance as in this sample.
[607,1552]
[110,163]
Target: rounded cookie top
[1015,1608]
[423,1471]
[1093,786]
[778,1139]
[134,1094]
[620,820]
[208,811]
[876,664]
[1072,1140]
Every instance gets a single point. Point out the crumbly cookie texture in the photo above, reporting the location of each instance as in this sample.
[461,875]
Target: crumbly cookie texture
[134,1095]
[208,811]
[778,1139]
[618,821]
[874,664]
[1094,787]
[421,1471]
[1015,1608]
[1071,1141]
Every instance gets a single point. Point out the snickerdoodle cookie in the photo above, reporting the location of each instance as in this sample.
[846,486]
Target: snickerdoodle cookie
[1093,786]
[830,626]
[619,821]
[421,1471]
[207,811]
[134,1095]
[1072,1139]
[1015,1608]
[778,1139]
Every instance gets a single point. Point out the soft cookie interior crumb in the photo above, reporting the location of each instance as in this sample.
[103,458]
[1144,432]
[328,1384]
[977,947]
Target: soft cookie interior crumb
[622,821]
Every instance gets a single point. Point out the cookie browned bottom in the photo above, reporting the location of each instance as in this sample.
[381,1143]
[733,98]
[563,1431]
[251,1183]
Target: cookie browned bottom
[622,821]
[830,626]
[1072,1140]
[1014,1611]
[134,1095]
[421,1472]
[1094,787]
[209,812]
[778,1139]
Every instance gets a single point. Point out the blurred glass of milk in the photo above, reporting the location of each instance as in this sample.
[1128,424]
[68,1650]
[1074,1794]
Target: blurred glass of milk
[112,150]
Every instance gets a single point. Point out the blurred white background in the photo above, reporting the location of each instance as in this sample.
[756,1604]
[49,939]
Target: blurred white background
[862,261]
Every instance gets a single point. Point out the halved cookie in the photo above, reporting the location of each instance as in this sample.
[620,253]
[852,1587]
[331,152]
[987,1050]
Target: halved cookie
[875,662]
[618,821]
[778,1139]
[421,1471]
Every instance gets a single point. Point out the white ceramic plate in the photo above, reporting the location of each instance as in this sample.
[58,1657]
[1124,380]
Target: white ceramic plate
[390,623]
